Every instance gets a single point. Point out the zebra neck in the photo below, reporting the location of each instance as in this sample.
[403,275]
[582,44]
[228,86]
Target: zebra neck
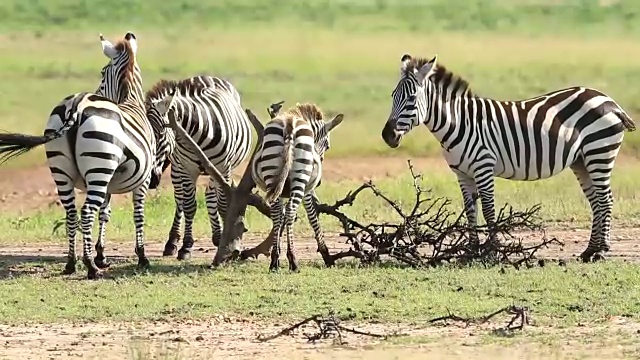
[445,112]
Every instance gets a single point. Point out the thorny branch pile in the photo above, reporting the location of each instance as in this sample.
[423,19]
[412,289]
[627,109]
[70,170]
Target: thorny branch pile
[430,234]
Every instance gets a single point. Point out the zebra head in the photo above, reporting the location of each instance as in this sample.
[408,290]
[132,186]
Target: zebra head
[321,131]
[314,116]
[122,73]
[409,105]
[156,112]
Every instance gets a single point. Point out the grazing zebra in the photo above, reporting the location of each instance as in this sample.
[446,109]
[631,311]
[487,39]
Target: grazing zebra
[102,147]
[289,164]
[209,109]
[579,128]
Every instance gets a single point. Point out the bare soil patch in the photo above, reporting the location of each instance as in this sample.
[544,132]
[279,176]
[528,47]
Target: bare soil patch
[225,337]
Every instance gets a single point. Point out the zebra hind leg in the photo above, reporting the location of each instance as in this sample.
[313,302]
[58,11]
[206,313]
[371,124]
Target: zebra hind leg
[66,193]
[103,217]
[289,217]
[211,198]
[589,191]
[599,167]
[312,215]
[171,246]
[276,218]
[189,207]
[139,196]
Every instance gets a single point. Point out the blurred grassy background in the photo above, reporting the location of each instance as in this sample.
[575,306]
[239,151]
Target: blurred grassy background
[342,54]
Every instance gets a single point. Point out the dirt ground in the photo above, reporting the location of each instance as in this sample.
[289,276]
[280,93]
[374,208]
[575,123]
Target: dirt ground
[29,189]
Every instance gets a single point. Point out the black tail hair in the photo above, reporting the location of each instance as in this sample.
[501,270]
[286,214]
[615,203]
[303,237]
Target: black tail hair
[13,145]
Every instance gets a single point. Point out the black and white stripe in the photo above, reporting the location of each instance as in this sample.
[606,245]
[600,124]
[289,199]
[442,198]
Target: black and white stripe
[289,165]
[209,109]
[101,147]
[578,128]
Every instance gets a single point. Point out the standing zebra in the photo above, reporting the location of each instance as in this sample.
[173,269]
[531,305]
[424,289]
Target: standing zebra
[209,109]
[102,147]
[579,128]
[289,164]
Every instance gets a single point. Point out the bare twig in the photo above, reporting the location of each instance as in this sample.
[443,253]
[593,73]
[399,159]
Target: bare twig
[328,326]
[517,312]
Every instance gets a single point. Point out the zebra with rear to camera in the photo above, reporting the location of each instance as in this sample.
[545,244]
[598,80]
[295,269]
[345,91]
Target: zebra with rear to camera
[103,147]
[288,164]
[578,128]
[209,109]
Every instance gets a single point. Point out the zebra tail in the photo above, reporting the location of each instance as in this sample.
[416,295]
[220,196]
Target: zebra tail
[287,159]
[626,120]
[13,145]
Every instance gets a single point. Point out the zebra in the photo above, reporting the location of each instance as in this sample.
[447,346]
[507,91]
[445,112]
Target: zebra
[101,147]
[288,163]
[579,128]
[209,109]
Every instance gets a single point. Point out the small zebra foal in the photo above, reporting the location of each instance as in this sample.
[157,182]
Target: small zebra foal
[289,164]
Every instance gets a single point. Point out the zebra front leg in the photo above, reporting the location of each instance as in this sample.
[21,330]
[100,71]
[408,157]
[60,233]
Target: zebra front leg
[139,196]
[485,186]
[470,200]
[103,218]
[171,246]
[211,198]
[308,202]
[276,217]
[189,206]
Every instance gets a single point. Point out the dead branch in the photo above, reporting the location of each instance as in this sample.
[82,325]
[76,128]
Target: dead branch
[430,234]
[517,312]
[327,327]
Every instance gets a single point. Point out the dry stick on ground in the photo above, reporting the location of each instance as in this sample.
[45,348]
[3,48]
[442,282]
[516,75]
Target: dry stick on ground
[328,326]
[517,312]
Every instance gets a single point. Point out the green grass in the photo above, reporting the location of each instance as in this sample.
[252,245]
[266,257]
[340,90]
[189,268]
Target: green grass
[175,290]
[343,55]
[561,199]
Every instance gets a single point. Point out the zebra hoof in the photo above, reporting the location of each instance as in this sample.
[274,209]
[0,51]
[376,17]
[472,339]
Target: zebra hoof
[94,274]
[170,250]
[274,266]
[101,262]
[143,263]
[70,268]
[184,254]
[599,256]
[327,258]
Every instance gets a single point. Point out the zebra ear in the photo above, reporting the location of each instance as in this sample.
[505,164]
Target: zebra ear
[163,106]
[333,123]
[107,48]
[131,38]
[406,59]
[427,69]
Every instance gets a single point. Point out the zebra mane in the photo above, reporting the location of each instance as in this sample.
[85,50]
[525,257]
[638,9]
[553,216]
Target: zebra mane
[441,76]
[308,111]
[186,87]
[125,46]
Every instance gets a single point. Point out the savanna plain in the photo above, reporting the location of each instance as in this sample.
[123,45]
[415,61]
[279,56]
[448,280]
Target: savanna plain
[344,56]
